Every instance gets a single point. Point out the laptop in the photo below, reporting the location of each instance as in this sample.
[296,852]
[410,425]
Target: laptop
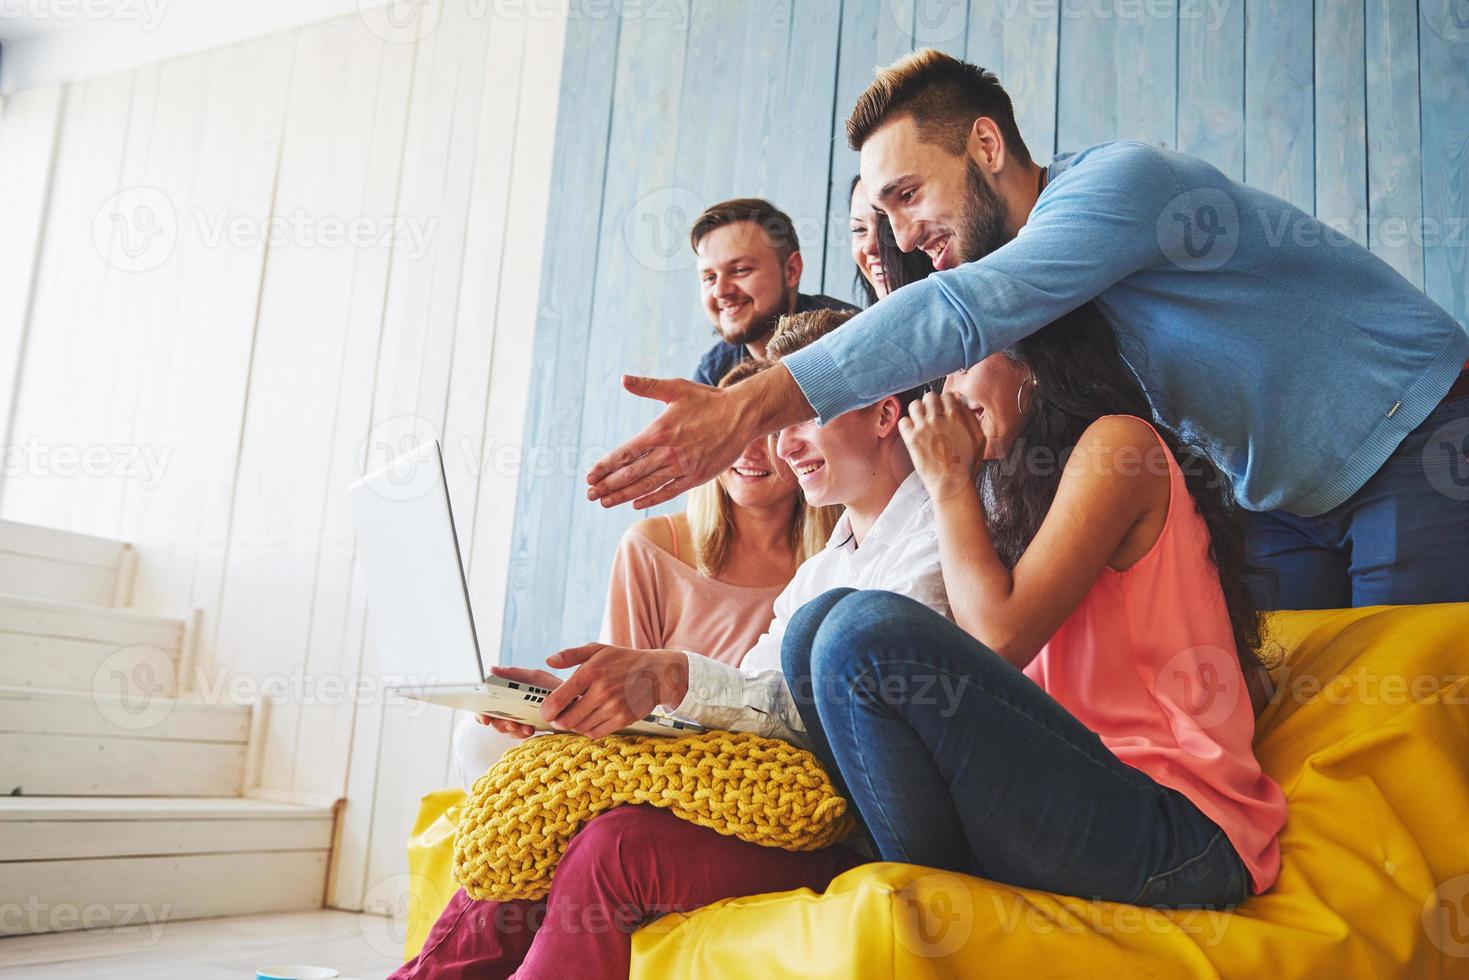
[421,616]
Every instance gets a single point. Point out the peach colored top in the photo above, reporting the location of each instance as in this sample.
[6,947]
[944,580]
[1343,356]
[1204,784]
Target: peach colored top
[1148,662]
[656,602]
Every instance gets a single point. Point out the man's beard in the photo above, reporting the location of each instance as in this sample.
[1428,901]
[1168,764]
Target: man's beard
[984,219]
[762,324]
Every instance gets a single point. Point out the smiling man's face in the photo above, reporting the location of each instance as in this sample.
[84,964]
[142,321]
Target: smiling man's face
[937,201]
[743,282]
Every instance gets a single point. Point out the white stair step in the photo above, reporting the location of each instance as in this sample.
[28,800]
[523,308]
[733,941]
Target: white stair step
[47,563]
[85,863]
[65,743]
[40,828]
[77,647]
[142,892]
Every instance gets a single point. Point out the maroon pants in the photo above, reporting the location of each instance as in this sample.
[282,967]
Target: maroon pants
[623,869]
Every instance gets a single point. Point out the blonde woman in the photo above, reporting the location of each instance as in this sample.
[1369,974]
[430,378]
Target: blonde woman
[634,863]
[705,579]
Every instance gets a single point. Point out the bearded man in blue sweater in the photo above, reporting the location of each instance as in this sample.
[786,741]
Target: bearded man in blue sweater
[1334,392]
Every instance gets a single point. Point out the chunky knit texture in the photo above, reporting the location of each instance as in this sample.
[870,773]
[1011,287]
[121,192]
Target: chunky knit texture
[523,812]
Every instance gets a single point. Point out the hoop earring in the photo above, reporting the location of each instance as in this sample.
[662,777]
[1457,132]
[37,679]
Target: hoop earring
[1021,391]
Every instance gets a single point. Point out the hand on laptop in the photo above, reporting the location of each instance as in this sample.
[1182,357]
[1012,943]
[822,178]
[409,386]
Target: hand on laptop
[613,687]
[522,675]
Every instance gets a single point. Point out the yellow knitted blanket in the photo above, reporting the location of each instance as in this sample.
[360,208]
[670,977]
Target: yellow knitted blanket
[522,813]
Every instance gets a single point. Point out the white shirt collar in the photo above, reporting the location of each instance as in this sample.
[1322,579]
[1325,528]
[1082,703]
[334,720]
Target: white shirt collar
[906,500]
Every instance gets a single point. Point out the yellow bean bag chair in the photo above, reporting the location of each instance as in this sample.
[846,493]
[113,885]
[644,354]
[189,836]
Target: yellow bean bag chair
[431,865]
[1368,736]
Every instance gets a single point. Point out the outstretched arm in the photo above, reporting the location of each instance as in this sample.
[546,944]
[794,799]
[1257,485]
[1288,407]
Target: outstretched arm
[702,431]
[1088,231]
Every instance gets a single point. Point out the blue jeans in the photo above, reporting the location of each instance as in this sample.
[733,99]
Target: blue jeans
[1402,539]
[956,760]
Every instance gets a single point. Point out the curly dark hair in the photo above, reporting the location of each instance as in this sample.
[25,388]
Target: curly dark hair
[1080,376]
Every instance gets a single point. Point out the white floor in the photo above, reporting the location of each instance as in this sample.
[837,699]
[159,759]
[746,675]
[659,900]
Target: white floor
[363,947]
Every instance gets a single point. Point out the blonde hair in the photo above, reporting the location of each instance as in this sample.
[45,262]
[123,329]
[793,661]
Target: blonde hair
[711,511]
[943,95]
[796,330]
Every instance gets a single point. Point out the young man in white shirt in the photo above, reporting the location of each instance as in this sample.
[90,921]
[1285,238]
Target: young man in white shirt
[885,540]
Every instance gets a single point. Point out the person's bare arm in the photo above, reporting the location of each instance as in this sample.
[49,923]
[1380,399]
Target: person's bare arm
[702,431]
[1015,611]
[1108,486]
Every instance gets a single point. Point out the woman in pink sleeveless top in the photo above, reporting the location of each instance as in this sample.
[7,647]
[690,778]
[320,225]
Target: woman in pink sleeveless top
[706,579]
[1084,725]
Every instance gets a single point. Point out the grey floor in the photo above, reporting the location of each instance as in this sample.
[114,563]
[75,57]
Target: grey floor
[360,947]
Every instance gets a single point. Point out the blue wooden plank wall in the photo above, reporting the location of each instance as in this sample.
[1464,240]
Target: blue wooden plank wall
[1357,110]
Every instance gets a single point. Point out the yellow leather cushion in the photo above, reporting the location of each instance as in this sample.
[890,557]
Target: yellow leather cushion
[1369,739]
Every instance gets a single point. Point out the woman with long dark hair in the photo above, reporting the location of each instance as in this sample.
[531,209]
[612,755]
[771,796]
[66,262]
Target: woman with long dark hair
[1084,725]
[881,266]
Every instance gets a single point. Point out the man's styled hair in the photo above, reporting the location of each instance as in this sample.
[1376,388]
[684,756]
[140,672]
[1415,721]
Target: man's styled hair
[796,330]
[943,95]
[772,220]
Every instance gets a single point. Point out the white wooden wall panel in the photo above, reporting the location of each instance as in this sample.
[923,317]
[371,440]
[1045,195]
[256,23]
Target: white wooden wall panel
[495,167]
[264,375]
[520,252]
[239,155]
[322,739]
[181,527]
[28,124]
[71,278]
[141,412]
[303,337]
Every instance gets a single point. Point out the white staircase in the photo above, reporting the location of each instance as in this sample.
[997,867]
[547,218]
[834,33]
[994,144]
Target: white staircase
[122,797]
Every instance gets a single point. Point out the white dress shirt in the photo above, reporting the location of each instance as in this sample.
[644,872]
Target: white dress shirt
[899,554]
